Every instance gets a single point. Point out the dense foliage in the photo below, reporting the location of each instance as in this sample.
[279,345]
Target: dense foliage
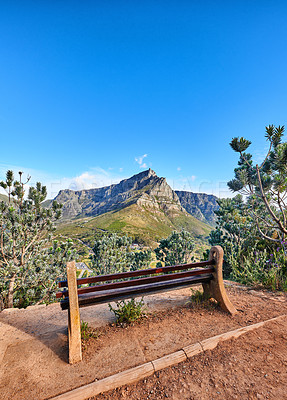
[264,184]
[252,230]
[176,248]
[113,253]
[30,261]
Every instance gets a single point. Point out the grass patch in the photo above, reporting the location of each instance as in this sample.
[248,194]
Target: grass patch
[87,332]
[116,225]
[199,299]
[128,311]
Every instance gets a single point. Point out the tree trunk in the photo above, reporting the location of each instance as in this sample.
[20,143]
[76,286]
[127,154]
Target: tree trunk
[11,291]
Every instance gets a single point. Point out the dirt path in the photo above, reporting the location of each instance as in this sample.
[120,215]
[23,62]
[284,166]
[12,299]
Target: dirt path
[33,342]
[251,367]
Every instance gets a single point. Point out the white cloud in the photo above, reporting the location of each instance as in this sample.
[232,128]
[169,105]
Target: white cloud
[94,178]
[87,180]
[178,168]
[140,159]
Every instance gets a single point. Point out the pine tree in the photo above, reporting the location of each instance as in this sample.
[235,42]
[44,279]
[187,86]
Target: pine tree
[265,185]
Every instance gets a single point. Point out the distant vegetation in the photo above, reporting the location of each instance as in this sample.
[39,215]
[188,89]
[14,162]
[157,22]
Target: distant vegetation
[113,253]
[176,248]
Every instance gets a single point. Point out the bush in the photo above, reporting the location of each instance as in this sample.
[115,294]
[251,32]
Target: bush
[261,268]
[128,311]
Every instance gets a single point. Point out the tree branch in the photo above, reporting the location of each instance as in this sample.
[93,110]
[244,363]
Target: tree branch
[269,151]
[277,220]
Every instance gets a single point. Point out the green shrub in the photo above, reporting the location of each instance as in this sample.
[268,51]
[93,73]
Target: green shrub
[88,332]
[261,268]
[128,311]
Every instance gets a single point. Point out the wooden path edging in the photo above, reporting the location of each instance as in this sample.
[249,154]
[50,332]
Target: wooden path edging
[135,374]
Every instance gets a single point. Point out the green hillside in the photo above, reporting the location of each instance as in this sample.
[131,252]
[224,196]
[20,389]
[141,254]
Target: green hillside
[3,198]
[144,225]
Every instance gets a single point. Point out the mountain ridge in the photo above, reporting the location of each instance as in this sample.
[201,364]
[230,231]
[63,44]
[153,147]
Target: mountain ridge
[200,205]
[143,206]
[145,189]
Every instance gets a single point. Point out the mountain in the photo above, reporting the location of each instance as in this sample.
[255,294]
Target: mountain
[143,206]
[145,189]
[200,205]
[4,198]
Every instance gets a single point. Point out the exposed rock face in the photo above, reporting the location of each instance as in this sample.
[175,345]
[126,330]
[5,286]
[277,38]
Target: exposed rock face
[145,189]
[200,205]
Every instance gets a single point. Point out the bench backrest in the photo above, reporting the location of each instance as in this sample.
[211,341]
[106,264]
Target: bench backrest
[127,279]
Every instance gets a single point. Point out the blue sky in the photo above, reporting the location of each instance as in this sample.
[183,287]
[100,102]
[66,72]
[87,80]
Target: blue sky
[93,92]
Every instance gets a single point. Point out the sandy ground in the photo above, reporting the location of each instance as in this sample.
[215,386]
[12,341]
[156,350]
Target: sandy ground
[251,367]
[34,351]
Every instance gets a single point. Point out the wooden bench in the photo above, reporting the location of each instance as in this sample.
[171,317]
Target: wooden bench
[138,283]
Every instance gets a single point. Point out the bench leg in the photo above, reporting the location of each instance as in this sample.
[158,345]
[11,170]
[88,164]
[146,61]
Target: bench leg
[74,323]
[215,288]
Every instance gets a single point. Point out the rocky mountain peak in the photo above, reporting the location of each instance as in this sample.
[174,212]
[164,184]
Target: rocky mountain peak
[142,176]
[145,189]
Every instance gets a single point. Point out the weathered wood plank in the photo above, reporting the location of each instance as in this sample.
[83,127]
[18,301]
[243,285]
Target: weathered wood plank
[211,343]
[127,377]
[123,293]
[138,282]
[142,272]
[74,323]
[169,360]
[192,350]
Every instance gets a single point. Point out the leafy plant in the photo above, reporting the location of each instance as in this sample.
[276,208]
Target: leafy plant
[88,332]
[261,268]
[128,311]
